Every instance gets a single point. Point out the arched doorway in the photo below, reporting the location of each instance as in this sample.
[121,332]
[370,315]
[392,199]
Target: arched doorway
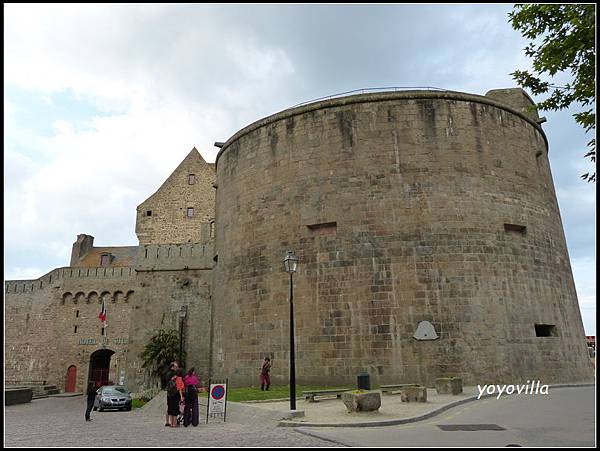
[99,366]
[71,379]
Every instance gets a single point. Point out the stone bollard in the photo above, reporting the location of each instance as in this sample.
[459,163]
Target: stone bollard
[414,394]
[362,401]
[448,385]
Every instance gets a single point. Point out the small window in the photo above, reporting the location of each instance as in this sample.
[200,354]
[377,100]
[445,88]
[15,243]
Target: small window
[103,331]
[77,314]
[104,260]
[212,229]
[324,228]
[148,212]
[75,331]
[545,330]
[191,179]
[515,228]
[190,212]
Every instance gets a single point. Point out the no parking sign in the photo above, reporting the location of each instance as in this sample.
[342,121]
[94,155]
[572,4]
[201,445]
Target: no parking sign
[217,399]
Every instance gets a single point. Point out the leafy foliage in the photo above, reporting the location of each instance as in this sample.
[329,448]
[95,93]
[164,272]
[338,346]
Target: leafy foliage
[162,349]
[562,41]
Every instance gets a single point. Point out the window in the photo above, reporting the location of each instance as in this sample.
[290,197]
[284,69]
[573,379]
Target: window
[75,331]
[77,314]
[515,228]
[104,259]
[212,229]
[148,212]
[190,212]
[324,228]
[545,330]
[191,179]
[103,331]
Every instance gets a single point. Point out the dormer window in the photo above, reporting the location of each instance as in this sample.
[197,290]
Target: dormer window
[191,179]
[105,260]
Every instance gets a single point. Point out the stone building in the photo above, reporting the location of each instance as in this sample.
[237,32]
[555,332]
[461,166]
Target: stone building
[430,244]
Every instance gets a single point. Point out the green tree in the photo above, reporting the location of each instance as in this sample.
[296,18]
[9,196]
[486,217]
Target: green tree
[562,41]
[161,350]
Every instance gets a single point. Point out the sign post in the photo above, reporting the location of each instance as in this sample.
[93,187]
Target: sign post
[217,399]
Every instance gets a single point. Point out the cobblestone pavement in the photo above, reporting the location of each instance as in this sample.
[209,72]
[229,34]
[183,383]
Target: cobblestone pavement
[60,422]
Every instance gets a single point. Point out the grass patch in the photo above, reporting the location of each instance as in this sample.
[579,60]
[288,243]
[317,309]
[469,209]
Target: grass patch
[136,403]
[275,392]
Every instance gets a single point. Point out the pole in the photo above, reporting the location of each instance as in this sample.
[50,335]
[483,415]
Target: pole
[292,359]
[180,341]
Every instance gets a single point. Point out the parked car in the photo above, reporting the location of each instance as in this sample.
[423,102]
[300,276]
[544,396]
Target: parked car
[112,397]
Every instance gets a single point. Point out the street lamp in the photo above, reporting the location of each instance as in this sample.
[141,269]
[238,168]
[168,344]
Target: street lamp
[291,262]
[182,314]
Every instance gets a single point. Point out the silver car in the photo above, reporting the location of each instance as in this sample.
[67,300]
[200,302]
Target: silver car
[112,397]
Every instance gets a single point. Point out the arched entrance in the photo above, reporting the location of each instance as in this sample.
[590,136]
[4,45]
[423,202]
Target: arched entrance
[99,366]
[71,379]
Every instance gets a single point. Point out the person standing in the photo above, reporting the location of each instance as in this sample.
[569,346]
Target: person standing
[91,397]
[192,385]
[168,376]
[265,379]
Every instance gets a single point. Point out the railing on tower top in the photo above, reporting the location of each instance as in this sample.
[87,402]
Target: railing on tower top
[366,90]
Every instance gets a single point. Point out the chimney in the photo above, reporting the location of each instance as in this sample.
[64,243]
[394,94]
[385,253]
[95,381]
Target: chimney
[81,247]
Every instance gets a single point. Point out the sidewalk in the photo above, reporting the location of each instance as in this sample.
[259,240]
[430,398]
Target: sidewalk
[333,412]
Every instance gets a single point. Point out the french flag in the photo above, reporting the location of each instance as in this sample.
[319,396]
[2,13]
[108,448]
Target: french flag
[102,315]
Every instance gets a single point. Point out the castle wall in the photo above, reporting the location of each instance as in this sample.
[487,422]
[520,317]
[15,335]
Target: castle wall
[162,293]
[41,316]
[396,204]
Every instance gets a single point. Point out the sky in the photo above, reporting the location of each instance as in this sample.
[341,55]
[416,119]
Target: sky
[102,102]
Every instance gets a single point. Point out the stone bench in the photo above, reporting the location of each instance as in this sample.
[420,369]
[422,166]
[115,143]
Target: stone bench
[310,395]
[17,395]
[413,394]
[395,389]
[449,385]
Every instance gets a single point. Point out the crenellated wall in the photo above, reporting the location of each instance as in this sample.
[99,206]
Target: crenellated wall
[174,256]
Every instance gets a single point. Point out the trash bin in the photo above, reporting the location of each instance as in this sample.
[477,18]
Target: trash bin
[363,381]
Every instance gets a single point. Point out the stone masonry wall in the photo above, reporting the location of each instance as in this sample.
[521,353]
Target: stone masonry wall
[403,207]
[162,218]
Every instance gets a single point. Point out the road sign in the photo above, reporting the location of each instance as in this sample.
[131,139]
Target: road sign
[217,400]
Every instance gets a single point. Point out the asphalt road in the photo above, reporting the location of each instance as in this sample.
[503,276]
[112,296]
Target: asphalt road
[564,417]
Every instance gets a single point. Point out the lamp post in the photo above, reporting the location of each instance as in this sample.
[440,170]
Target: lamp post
[291,262]
[182,314]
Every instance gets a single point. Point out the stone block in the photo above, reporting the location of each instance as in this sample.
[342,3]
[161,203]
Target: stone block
[449,385]
[362,401]
[413,394]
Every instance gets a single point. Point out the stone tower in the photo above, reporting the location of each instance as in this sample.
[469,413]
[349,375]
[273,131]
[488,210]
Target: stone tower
[405,208]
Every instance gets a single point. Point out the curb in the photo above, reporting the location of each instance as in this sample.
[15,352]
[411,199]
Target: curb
[296,424]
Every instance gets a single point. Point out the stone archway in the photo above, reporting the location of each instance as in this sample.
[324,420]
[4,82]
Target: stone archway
[99,367]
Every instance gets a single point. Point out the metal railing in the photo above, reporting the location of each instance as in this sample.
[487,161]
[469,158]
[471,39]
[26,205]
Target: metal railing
[367,90]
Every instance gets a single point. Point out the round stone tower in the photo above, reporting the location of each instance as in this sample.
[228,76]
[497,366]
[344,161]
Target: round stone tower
[429,237]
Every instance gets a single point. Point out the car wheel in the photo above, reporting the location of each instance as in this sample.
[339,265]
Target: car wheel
[128,409]
[95,408]
[100,409]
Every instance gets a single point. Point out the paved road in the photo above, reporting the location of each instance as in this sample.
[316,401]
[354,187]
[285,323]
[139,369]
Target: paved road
[60,422]
[564,417]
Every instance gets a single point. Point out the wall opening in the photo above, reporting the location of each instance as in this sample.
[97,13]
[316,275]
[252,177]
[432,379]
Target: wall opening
[323,228]
[148,212]
[99,367]
[515,228]
[546,330]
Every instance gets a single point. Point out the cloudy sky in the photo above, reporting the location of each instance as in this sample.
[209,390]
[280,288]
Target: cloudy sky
[102,102]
